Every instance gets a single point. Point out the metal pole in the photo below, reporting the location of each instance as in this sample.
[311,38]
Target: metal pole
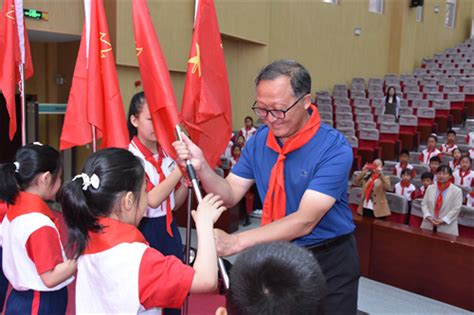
[23,104]
[197,192]
[94,140]
[187,250]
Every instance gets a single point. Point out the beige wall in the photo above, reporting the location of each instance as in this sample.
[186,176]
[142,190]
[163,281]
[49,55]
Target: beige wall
[317,34]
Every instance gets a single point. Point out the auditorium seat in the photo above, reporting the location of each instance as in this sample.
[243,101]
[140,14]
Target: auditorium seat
[368,145]
[414,158]
[362,109]
[405,111]
[355,195]
[420,168]
[426,123]
[416,214]
[466,222]
[366,125]
[358,101]
[323,100]
[408,135]
[325,108]
[442,116]
[345,123]
[389,141]
[341,101]
[457,106]
[325,115]
[385,118]
[399,207]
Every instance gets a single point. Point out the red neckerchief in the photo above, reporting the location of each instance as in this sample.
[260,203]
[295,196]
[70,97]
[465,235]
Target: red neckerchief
[149,156]
[370,185]
[456,163]
[274,206]
[3,210]
[404,184]
[429,153]
[113,233]
[439,199]
[30,203]
[462,176]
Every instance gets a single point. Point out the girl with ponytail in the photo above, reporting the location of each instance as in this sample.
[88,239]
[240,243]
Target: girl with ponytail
[118,272]
[34,261]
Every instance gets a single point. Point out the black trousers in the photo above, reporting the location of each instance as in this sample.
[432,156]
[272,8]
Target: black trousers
[340,266]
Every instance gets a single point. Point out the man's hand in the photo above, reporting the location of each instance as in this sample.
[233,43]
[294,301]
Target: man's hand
[187,150]
[226,244]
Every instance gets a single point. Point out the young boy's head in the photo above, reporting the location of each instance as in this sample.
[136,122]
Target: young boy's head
[451,136]
[248,122]
[403,157]
[435,162]
[236,150]
[427,179]
[406,175]
[431,142]
[275,278]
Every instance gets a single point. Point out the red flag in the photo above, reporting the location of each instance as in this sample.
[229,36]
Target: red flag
[206,101]
[155,78]
[94,99]
[10,59]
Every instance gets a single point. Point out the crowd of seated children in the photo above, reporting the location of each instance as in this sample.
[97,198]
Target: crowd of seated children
[430,151]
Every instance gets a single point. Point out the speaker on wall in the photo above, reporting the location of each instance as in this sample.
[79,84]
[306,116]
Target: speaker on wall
[416,3]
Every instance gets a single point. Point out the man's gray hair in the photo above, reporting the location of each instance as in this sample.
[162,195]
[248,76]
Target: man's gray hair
[299,77]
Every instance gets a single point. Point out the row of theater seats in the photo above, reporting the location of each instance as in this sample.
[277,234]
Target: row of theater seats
[402,214]
[429,102]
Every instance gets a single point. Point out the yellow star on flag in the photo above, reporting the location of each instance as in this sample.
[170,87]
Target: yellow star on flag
[196,60]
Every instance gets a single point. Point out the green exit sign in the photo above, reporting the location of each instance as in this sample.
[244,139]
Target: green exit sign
[35,14]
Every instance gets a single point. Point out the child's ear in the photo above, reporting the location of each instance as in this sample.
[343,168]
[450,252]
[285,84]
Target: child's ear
[134,120]
[44,179]
[128,201]
[221,311]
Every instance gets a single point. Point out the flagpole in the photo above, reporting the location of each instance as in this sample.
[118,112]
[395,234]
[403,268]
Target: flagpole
[22,101]
[94,139]
[197,192]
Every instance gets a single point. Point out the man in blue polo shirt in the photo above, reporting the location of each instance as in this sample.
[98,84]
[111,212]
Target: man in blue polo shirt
[301,168]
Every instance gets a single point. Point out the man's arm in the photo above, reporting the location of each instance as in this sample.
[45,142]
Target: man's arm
[312,208]
[231,189]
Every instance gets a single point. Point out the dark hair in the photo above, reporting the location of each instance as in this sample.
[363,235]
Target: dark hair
[404,151]
[394,91]
[434,137]
[405,171]
[451,131]
[236,146]
[427,175]
[119,171]
[32,159]
[275,278]
[444,168]
[456,149]
[299,77]
[248,117]
[435,159]
[136,107]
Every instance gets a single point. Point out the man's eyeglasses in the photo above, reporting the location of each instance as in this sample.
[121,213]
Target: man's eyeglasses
[276,113]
